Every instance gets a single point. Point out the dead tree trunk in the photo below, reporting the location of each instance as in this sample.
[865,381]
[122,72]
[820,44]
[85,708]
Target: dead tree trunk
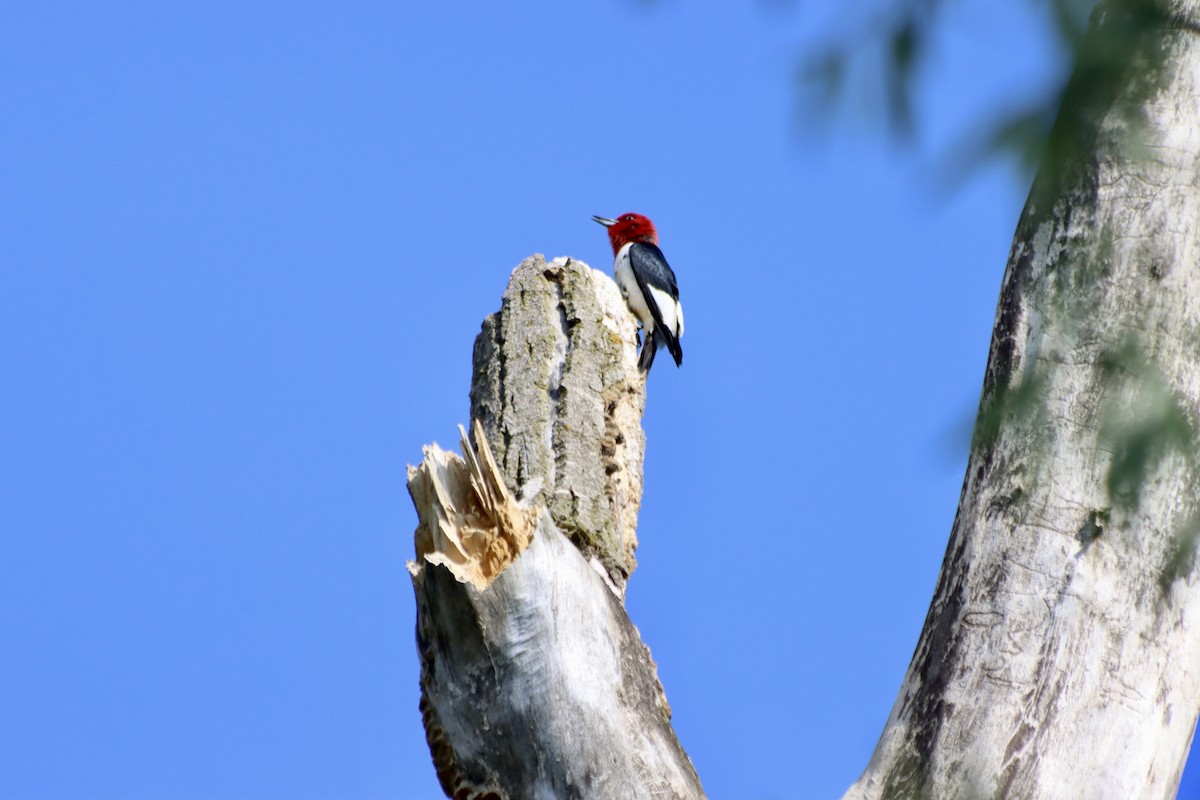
[534,683]
[1061,654]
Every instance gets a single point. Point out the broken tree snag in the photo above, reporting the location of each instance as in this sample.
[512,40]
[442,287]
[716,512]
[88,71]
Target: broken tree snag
[469,523]
[539,685]
[1060,657]
[557,390]
[534,683]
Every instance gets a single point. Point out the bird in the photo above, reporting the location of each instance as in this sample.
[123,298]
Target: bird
[647,284]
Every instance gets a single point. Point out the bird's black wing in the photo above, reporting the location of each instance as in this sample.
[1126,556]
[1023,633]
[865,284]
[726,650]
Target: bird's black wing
[651,270]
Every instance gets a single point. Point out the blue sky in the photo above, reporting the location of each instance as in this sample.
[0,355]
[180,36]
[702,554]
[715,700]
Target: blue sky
[246,250]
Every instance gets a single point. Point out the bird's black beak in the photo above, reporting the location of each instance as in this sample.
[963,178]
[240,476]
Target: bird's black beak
[608,223]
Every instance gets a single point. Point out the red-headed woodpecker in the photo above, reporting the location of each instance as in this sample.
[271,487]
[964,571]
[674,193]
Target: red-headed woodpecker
[648,284]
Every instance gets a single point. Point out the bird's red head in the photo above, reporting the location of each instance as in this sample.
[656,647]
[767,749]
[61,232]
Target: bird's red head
[628,228]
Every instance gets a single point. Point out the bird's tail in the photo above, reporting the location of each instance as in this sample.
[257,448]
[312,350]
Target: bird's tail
[656,339]
[673,345]
[649,347]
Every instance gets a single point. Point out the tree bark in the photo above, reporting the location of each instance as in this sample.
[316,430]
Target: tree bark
[534,683]
[1060,657]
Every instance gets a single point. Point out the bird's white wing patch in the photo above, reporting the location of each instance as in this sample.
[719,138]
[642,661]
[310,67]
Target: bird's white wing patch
[670,310]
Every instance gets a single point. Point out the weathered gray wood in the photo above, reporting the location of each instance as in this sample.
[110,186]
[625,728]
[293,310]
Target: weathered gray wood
[534,682]
[1061,654]
[562,407]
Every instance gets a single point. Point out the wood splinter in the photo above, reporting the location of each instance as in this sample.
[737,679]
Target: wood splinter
[468,520]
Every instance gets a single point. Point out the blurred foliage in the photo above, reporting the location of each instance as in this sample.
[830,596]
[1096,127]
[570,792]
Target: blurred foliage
[1044,132]
[1118,51]
[1141,431]
[1181,559]
[1143,422]
[1141,428]
[1022,400]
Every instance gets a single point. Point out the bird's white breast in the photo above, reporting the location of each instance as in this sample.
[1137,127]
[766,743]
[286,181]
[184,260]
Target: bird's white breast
[630,289]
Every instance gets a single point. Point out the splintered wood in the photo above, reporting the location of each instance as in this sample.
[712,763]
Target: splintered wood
[469,523]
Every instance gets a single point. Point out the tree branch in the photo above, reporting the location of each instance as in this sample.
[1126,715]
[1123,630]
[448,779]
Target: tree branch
[1060,657]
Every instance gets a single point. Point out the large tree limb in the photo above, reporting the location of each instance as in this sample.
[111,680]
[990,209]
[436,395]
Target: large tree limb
[534,682]
[1061,653]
